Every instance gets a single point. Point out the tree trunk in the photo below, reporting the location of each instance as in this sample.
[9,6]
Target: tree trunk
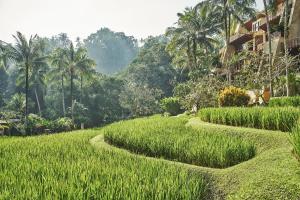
[63,95]
[38,102]
[229,26]
[270,47]
[189,54]
[81,86]
[227,40]
[72,113]
[286,51]
[26,95]
[195,53]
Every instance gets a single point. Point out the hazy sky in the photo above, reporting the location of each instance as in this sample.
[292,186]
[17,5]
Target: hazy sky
[79,18]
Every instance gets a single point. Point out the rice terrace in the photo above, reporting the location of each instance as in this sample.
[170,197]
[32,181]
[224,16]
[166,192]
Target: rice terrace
[198,100]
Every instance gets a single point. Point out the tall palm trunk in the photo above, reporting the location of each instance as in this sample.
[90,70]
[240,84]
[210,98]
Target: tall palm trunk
[227,39]
[72,102]
[189,53]
[37,101]
[229,27]
[81,86]
[195,53]
[270,47]
[26,95]
[63,95]
[286,51]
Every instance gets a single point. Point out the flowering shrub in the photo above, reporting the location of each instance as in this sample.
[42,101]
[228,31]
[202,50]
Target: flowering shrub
[233,96]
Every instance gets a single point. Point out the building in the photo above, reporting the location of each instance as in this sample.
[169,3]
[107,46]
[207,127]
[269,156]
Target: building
[253,36]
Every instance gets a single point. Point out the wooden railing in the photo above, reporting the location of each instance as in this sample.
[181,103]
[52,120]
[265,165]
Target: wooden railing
[294,43]
[236,36]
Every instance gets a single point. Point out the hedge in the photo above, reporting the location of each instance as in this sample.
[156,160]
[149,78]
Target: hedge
[285,101]
[277,118]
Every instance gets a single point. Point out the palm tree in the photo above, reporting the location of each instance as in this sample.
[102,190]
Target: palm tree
[85,69]
[36,73]
[196,28]
[231,10]
[266,9]
[37,81]
[26,53]
[76,59]
[59,70]
[4,65]
[235,10]
[4,55]
[286,51]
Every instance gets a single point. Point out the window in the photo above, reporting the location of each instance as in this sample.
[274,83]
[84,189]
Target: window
[255,26]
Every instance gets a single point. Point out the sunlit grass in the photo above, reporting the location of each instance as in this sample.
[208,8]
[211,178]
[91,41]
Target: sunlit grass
[276,118]
[171,139]
[66,166]
[295,139]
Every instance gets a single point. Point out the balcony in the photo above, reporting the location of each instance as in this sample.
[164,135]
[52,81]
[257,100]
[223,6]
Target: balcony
[241,38]
[294,43]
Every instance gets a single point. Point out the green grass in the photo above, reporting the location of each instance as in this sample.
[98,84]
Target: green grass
[66,166]
[72,166]
[277,118]
[295,139]
[285,101]
[171,139]
[273,174]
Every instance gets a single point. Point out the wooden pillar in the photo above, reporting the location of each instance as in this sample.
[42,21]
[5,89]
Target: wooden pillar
[264,37]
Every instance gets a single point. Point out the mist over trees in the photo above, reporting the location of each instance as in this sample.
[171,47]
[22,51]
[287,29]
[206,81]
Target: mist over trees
[148,78]
[112,51]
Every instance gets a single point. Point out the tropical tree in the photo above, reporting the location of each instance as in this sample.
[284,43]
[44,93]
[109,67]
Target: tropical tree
[77,59]
[17,103]
[266,8]
[4,65]
[59,71]
[26,53]
[286,50]
[36,74]
[233,10]
[4,55]
[195,28]
[37,83]
[85,68]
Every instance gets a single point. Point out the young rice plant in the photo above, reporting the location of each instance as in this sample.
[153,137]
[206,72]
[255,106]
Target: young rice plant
[66,166]
[171,139]
[277,118]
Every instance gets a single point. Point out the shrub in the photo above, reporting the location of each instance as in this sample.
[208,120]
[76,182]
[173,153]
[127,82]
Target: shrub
[232,96]
[285,101]
[283,119]
[63,125]
[295,139]
[171,105]
[36,124]
[171,139]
